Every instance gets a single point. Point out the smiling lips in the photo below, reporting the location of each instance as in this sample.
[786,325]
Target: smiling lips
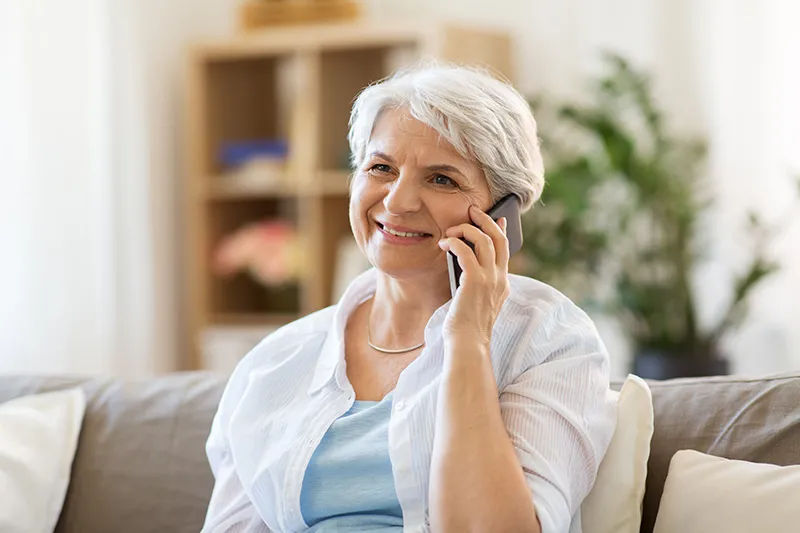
[397,233]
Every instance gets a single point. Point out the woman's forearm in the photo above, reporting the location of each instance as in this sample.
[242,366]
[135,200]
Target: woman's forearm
[477,484]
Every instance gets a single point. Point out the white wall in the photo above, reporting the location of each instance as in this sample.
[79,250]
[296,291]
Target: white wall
[726,69]
[90,104]
[152,59]
[48,240]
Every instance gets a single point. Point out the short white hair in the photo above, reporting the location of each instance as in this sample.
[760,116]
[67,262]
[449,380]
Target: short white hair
[484,118]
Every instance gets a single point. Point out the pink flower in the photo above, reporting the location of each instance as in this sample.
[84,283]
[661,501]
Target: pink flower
[268,250]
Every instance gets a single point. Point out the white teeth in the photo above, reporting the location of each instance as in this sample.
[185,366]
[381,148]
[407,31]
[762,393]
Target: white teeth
[402,233]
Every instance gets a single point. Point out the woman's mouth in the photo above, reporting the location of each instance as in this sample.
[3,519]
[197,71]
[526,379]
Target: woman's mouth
[394,233]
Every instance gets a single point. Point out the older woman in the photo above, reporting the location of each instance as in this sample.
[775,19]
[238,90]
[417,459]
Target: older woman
[399,408]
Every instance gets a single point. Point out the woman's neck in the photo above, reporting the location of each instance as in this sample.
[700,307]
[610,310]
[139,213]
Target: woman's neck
[401,308]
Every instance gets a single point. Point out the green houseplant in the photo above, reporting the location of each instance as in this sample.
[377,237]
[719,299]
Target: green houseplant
[620,220]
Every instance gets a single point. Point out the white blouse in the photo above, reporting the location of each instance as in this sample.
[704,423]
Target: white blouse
[551,370]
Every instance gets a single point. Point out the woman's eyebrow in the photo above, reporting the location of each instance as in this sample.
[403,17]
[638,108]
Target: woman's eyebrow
[382,156]
[445,168]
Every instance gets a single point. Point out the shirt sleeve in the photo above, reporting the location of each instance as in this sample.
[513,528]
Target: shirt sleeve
[230,509]
[560,413]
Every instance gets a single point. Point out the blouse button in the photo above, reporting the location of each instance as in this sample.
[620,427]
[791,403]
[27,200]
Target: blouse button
[401,405]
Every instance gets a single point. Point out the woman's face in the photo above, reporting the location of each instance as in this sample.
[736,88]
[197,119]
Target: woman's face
[412,183]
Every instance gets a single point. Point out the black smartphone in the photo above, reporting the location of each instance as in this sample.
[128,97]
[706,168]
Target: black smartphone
[508,207]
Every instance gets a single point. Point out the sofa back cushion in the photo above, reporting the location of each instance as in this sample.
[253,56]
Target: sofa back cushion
[750,419]
[140,465]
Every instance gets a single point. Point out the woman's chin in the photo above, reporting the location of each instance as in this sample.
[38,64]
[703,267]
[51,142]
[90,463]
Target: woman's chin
[403,267]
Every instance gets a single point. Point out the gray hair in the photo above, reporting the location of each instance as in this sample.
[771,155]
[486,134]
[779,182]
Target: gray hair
[484,118]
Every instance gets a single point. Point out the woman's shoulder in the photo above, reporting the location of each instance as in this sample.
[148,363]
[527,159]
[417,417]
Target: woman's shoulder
[553,324]
[308,329]
[301,338]
[291,343]
[536,297]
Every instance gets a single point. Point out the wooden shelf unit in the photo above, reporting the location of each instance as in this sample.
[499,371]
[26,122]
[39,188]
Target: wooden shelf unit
[297,84]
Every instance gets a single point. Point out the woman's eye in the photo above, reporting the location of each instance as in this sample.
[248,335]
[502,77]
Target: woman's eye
[380,168]
[441,179]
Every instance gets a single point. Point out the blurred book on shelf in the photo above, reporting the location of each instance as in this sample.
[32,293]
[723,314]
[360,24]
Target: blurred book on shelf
[254,164]
[236,153]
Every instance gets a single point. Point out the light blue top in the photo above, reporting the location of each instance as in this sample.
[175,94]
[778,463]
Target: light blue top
[348,485]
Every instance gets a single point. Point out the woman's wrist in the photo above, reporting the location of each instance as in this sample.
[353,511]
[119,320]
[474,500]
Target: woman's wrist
[466,348]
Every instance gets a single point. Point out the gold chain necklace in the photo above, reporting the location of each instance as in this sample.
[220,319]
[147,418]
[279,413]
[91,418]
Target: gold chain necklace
[386,350]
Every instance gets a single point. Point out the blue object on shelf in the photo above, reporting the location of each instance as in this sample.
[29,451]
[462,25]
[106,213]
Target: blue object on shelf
[235,153]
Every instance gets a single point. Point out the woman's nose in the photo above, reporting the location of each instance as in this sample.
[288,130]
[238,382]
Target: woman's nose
[402,196]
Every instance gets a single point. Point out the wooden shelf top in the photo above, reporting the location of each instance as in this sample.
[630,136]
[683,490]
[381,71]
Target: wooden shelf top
[362,33]
[221,188]
[283,40]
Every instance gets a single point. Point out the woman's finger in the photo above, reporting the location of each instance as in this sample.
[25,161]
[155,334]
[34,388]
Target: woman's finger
[466,257]
[501,246]
[484,246]
[497,234]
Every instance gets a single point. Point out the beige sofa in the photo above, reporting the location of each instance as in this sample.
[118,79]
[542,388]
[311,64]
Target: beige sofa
[141,467]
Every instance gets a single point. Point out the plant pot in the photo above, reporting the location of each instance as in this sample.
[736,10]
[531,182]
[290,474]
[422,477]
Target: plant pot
[660,365]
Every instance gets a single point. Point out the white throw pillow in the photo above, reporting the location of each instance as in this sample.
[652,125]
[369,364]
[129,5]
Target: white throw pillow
[705,494]
[38,437]
[614,504]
